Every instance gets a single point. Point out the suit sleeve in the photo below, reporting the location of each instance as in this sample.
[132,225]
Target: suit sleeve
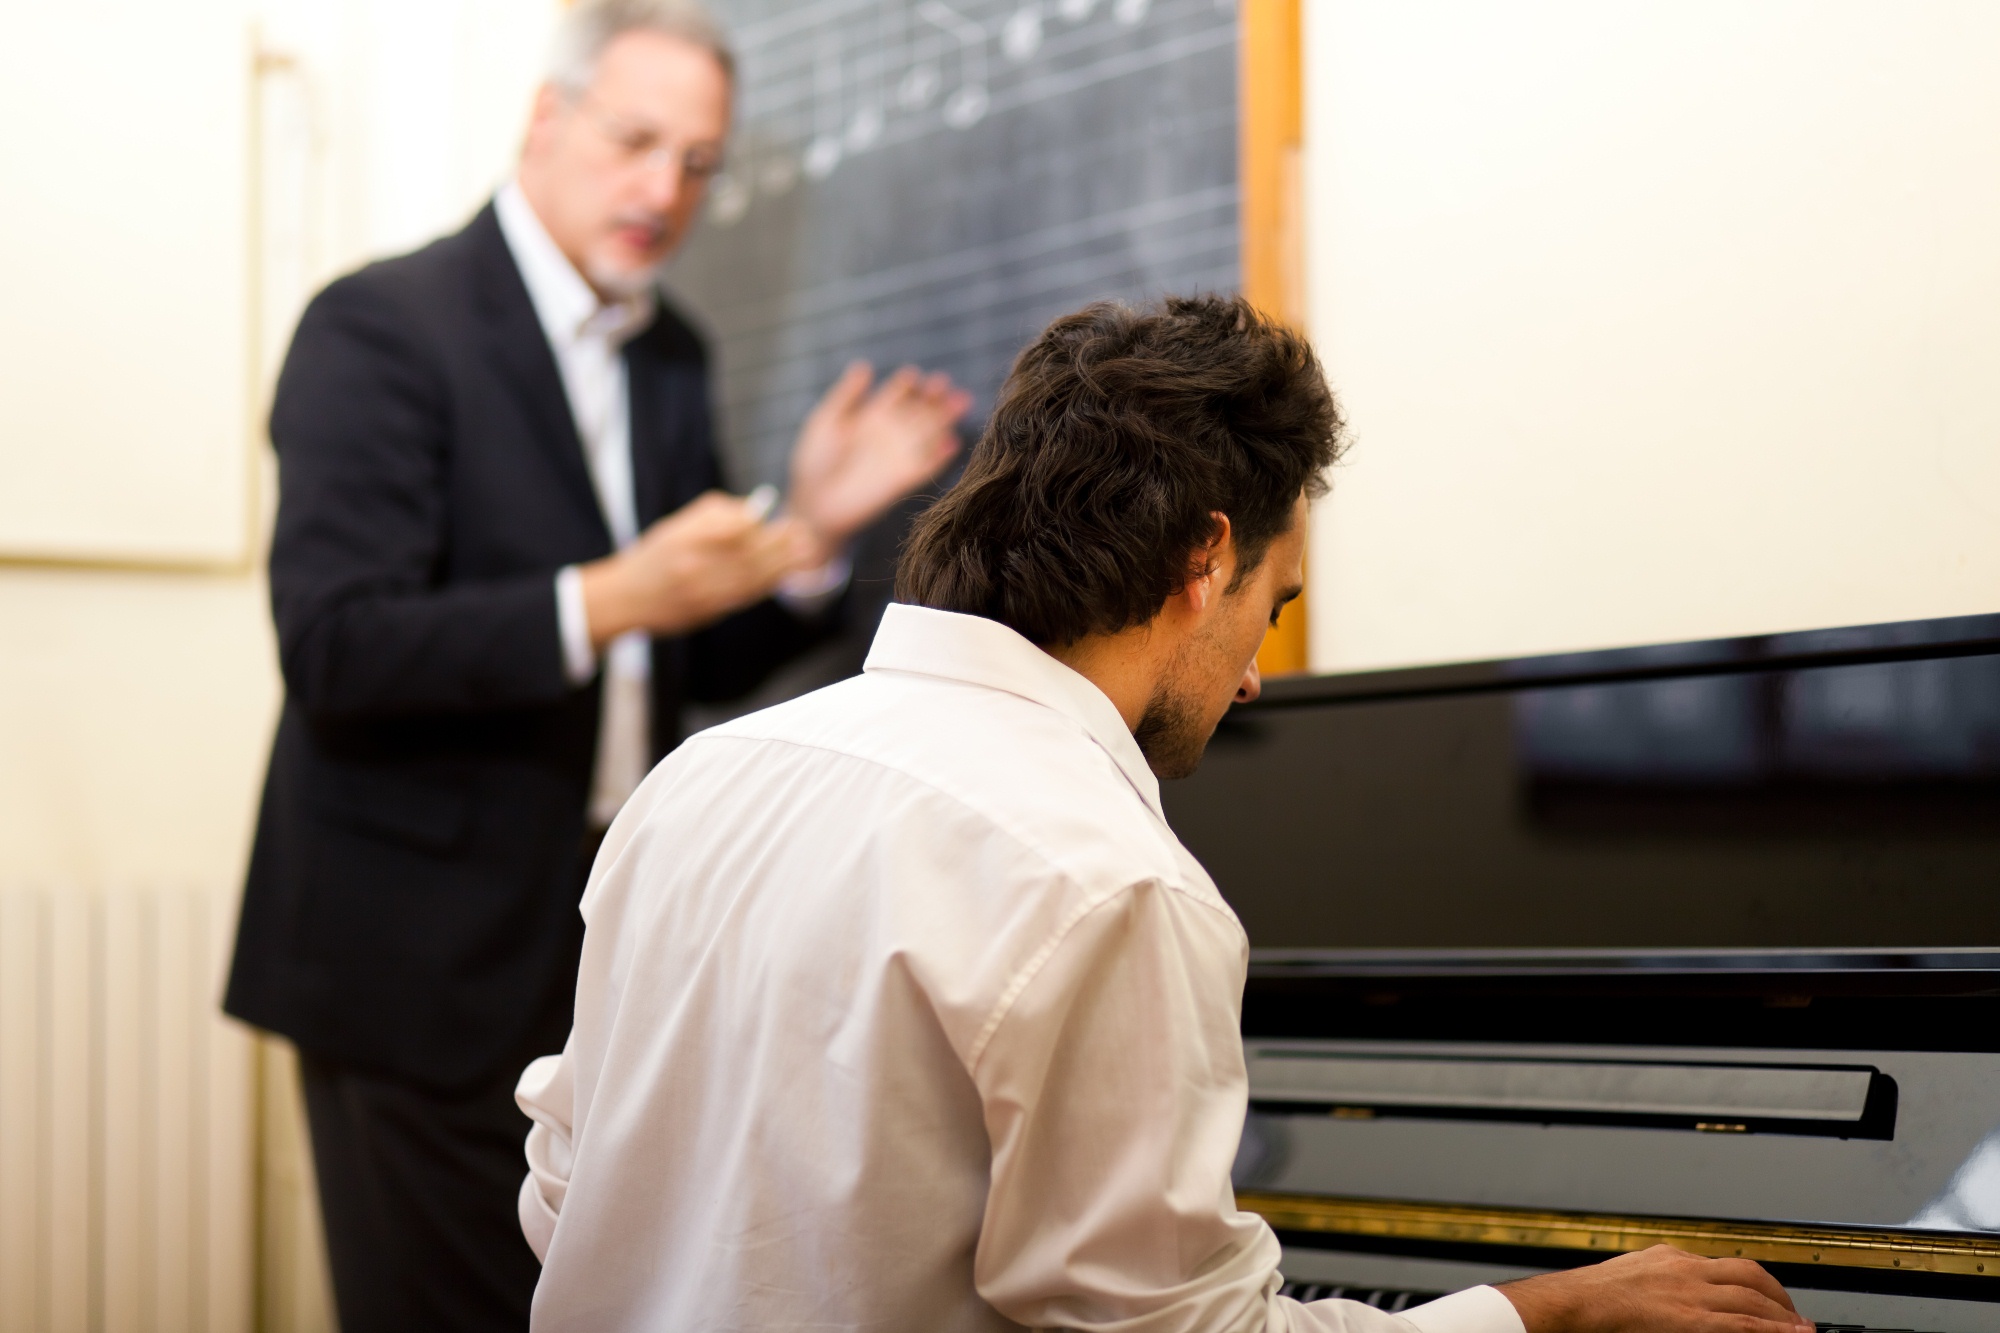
[366,624]
[738,653]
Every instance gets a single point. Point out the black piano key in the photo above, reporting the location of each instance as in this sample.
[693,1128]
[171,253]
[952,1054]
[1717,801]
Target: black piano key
[1392,1299]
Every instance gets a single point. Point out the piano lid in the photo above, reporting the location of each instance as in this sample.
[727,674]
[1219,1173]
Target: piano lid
[1830,790]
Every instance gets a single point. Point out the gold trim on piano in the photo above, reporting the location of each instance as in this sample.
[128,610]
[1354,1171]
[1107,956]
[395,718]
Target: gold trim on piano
[1608,1234]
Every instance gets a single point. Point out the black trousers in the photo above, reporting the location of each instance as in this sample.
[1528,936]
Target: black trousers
[418,1190]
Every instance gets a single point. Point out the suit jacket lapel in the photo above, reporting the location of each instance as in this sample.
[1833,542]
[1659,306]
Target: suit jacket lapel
[517,347]
[650,483]
[673,452]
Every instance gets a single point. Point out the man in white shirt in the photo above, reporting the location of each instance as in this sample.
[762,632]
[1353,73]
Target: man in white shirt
[901,1007]
[503,560]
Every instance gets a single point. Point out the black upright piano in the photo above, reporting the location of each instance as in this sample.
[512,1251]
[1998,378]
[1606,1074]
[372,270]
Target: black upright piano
[1566,956]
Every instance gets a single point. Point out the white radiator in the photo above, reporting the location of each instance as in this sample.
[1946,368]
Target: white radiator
[127,1147]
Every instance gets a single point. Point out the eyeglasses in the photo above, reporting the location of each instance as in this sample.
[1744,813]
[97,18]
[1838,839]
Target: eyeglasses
[642,148]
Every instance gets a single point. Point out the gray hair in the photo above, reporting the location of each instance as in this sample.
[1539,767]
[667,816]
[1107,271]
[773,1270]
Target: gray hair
[592,25]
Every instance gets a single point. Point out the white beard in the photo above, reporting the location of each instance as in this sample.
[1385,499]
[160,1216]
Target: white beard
[624,284]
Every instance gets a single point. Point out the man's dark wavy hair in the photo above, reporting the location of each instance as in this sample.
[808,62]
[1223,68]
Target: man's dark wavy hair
[1116,436]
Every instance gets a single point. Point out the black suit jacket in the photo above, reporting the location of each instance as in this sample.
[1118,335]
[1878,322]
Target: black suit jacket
[411,899]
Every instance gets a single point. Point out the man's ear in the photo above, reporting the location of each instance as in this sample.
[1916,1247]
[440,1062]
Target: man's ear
[542,117]
[1214,562]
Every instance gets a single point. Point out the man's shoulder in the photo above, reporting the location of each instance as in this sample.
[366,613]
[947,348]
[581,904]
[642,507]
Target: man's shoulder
[1021,770]
[431,285]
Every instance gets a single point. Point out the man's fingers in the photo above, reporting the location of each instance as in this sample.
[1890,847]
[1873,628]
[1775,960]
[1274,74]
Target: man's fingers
[1728,1298]
[1732,1322]
[846,393]
[897,389]
[1748,1274]
[716,516]
[943,445]
[706,504]
[783,546]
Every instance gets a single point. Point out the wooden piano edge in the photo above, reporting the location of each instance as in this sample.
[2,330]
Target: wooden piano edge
[1608,1234]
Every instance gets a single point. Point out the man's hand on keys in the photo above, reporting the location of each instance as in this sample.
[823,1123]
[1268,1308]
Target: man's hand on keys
[1661,1290]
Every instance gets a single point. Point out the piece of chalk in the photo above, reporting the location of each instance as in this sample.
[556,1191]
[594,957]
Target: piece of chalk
[761,501]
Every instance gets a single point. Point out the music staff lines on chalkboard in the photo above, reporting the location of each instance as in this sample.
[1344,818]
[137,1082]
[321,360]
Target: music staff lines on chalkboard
[830,82]
[926,297]
[930,181]
[944,271]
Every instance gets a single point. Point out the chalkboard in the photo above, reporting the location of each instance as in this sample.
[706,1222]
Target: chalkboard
[932,182]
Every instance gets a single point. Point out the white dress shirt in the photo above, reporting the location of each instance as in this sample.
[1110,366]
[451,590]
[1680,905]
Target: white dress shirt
[901,1008]
[588,338]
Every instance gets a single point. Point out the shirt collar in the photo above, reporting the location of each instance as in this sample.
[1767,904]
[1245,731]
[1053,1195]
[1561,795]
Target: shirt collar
[565,304]
[985,652]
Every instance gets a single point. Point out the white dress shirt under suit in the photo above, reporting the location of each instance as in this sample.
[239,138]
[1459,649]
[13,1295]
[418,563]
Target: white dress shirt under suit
[902,1008]
[587,337]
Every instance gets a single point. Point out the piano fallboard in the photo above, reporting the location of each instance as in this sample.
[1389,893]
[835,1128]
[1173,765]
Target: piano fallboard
[1419,1119]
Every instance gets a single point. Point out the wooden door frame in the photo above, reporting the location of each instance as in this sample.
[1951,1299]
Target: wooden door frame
[1270,129]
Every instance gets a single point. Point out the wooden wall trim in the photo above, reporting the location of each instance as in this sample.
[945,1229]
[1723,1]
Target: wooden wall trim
[1270,129]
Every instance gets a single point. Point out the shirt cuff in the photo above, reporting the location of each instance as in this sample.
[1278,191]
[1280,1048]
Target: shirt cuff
[810,591]
[1474,1310]
[579,658]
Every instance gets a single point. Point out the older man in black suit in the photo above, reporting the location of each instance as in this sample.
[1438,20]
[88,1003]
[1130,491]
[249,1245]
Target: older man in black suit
[502,562]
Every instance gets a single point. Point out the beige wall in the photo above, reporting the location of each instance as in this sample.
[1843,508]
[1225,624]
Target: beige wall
[128,125]
[136,706]
[134,711]
[1656,319]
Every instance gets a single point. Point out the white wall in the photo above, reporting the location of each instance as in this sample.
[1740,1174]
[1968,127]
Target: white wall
[1656,319]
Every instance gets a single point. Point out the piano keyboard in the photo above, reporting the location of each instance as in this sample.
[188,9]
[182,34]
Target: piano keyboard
[1395,1299]
[1391,1299]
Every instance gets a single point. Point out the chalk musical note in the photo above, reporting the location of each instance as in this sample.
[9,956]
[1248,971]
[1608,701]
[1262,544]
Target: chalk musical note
[779,173]
[864,131]
[1022,35]
[823,153]
[919,86]
[830,92]
[728,199]
[968,102]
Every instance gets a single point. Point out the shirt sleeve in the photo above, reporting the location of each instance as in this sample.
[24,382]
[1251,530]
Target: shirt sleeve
[573,624]
[1114,1093]
[809,592]
[1474,1310]
[546,1094]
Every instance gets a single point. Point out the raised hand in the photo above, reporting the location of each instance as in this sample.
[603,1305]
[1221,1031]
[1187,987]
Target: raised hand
[713,555]
[1661,1290]
[860,451]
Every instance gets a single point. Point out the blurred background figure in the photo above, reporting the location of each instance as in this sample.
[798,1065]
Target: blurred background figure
[502,563]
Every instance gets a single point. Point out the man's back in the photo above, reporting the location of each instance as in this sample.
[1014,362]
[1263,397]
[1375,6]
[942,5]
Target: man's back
[847,960]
